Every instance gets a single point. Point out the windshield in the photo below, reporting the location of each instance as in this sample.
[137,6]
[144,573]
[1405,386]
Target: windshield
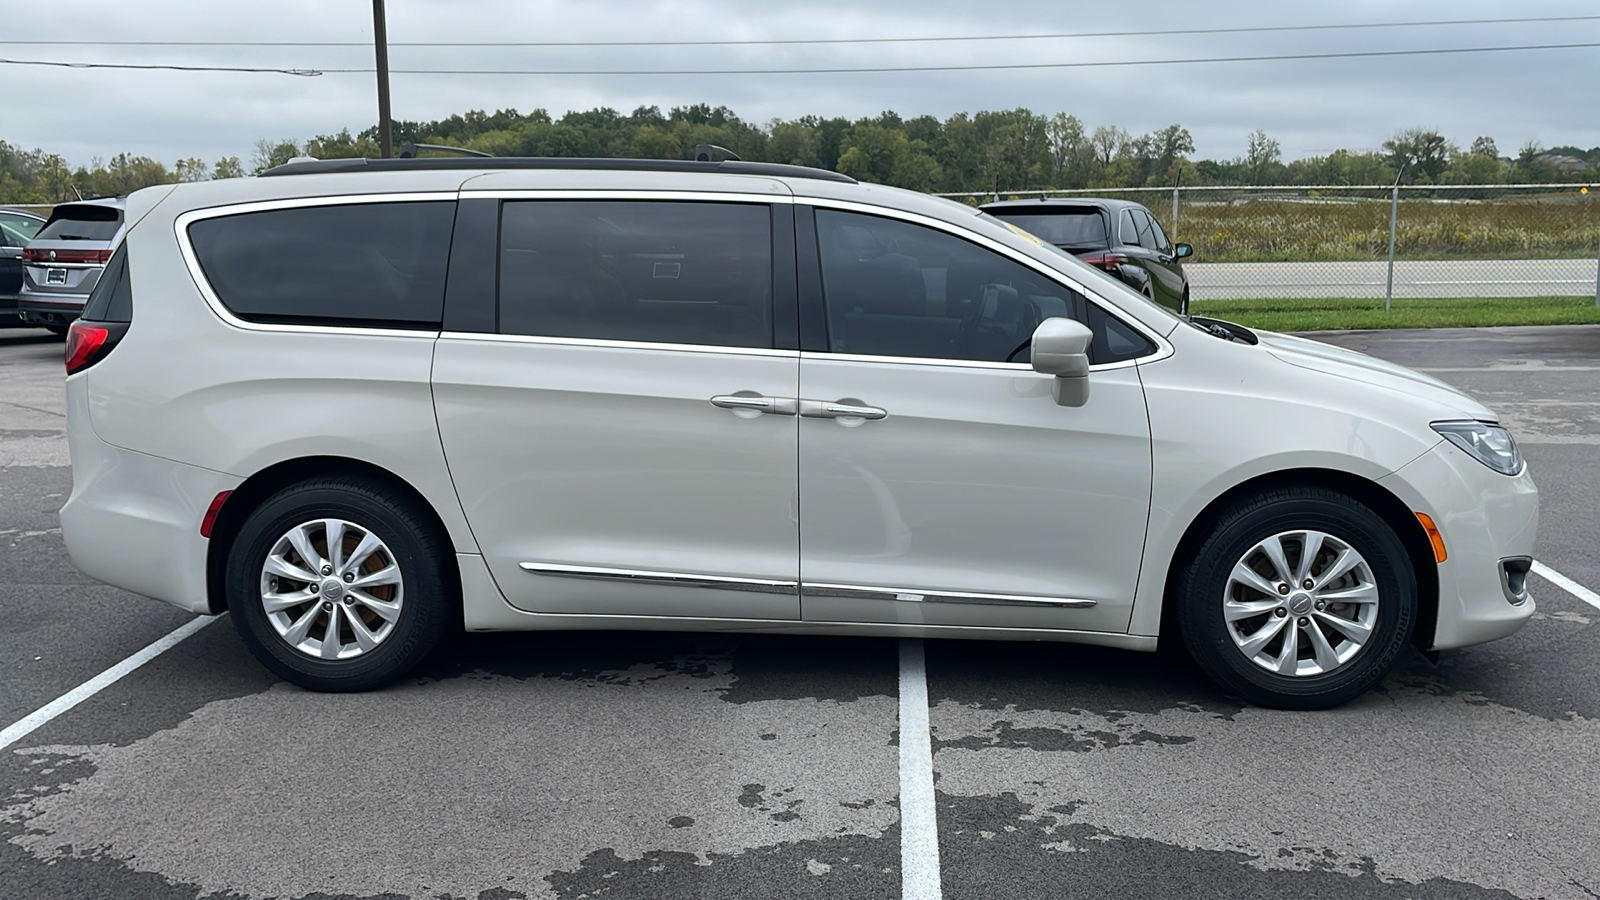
[1103,283]
[1082,226]
[82,223]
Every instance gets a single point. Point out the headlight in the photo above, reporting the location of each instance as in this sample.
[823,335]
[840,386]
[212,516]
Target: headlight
[1489,444]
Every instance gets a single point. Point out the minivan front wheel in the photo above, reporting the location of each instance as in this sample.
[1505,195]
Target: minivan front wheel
[337,584]
[1300,599]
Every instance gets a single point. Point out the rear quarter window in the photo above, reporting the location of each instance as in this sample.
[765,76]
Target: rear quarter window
[365,265]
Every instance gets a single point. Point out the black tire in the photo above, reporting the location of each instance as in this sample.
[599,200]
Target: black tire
[1183,305]
[412,539]
[1203,583]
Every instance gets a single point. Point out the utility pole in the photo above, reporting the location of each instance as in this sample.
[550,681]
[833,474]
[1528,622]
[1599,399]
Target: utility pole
[1394,216]
[380,40]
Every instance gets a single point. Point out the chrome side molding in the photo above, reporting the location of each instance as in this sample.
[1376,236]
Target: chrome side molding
[678,579]
[917,595]
[770,586]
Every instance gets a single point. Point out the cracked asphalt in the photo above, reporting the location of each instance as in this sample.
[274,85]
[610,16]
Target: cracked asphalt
[618,765]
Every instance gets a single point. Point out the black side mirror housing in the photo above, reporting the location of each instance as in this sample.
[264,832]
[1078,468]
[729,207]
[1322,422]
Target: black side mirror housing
[1183,250]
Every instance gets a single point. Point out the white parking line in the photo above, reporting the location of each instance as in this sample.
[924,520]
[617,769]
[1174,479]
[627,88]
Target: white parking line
[26,725]
[1560,581]
[919,824]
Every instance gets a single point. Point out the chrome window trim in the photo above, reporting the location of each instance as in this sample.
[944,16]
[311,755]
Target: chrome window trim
[618,345]
[180,226]
[676,579]
[625,194]
[1163,348]
[918,595]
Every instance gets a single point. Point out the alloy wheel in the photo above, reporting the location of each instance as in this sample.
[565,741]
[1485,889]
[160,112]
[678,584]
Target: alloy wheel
[1301,603]
[331,589]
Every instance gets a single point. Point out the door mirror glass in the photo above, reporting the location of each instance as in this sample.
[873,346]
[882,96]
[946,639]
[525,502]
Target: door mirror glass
[1061,348]
[1183,250]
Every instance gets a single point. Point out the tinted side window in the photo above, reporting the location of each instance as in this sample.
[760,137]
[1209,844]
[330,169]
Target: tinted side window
[896,289]
[1162,243]
[367,264]
[1130,228]
[657,271]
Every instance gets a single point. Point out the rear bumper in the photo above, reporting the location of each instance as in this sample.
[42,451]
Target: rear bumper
[133,520]
[36,311]
[1485,519]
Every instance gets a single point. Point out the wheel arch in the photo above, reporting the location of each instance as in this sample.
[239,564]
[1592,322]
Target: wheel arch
[1374,496]
[258,487]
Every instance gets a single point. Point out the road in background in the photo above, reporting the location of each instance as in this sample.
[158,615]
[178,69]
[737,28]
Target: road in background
[1412,278]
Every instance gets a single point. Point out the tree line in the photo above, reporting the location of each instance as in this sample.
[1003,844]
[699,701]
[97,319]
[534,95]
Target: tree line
[1007,150]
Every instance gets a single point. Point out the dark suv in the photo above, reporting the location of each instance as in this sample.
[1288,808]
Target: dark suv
[64,260]
[1121,237]
[17,228]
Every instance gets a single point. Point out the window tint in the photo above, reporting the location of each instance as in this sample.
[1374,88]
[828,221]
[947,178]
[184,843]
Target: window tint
[663,272]
[82,223]
[1130,229]
[1076,227]
[897,289]
[1147,236]
[112,297]
[1162,243]
[369,264]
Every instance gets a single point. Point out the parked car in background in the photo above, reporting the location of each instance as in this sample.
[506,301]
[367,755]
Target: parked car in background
[63,261]
[17,228]
[1121,237]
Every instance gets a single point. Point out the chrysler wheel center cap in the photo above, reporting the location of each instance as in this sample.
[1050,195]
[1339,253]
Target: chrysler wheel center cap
[1300,604]
[332,589]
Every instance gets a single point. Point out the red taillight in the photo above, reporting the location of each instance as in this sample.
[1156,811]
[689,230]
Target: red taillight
[1108,261]
[210,521]
[89,342]
[46,257]
[83,342]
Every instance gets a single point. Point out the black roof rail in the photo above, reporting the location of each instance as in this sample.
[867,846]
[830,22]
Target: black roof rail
[729,166]
[409,151]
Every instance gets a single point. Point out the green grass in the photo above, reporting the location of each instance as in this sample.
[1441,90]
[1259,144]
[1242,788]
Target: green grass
[1343,313]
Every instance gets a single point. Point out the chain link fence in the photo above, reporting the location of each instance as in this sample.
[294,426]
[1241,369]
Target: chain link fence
[1526,240]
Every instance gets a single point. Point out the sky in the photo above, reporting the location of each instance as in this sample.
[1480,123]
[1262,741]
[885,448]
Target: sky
[1310,106]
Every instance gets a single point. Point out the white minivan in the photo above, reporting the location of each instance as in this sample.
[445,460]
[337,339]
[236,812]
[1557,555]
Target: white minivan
[361,403]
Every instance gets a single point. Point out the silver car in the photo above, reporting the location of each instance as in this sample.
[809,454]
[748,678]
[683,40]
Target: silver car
[360,403]
[63,261]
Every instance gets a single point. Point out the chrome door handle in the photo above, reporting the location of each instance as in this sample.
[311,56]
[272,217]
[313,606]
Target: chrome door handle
[778,406]
[838,409]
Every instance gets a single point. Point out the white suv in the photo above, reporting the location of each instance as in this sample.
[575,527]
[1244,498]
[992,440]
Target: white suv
[360,403]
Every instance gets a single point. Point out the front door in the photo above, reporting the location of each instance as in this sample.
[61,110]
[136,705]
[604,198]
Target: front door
[613,445]
[940,484]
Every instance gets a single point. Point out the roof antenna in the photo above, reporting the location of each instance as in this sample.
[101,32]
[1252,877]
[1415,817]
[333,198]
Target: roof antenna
[713,153]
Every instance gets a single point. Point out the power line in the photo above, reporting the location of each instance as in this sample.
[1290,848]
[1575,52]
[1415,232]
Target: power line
[828,71]
[308,73]
[814,41]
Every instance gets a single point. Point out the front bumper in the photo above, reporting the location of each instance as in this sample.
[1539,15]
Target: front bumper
[1485,519]
[133,520]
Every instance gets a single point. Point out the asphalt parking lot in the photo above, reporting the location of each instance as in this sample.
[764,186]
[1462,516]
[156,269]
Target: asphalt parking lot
[664,766]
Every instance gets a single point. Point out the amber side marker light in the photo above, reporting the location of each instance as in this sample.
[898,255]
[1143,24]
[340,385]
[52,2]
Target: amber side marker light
[1433,535]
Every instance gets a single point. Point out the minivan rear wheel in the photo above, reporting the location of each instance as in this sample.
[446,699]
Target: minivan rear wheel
[337,584]
[1301,598]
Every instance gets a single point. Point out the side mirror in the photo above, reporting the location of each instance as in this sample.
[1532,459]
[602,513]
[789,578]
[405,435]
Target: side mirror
[1183,250]
[1061,348]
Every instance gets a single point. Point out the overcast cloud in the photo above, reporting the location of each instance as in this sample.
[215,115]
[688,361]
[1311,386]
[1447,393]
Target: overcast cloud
[1310,106]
